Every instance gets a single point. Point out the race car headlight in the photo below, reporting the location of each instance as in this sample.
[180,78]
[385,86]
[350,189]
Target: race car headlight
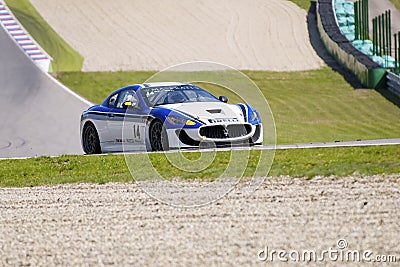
[189,122]
[254,116]
[180,120]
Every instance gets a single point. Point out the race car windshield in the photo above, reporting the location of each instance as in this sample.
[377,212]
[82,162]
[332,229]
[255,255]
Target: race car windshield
[155,96]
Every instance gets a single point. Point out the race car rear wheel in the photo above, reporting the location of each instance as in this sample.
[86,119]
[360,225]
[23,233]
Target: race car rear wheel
[90,140]
[158,136]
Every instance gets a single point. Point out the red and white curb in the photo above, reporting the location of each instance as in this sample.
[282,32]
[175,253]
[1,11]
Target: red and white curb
[23,39]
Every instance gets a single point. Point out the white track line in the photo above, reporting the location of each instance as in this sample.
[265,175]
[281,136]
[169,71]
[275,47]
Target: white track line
[361,143]
[65,88]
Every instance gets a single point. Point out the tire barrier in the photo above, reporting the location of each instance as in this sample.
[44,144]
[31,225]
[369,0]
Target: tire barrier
[364,68]
[23,39]
[353,19]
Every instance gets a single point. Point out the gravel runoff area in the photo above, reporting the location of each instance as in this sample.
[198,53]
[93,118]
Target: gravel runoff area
[155,34]
[118,224]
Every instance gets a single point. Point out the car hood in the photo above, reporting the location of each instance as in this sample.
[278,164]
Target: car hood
[210,112]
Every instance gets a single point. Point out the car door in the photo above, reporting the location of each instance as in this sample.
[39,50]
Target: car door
[126,124]
[106,136]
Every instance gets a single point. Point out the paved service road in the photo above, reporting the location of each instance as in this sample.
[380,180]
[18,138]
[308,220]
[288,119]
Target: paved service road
[154,34]
[38,117]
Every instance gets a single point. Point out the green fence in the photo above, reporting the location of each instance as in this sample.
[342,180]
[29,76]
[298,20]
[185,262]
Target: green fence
[397,53]
[340,48]
[379,46]
[380,52]
[382,38]
[361,17]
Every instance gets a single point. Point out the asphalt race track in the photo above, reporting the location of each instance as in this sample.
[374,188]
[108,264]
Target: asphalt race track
[38,116]
[118,224]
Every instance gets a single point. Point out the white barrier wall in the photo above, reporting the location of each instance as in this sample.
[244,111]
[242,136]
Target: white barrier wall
[23,39]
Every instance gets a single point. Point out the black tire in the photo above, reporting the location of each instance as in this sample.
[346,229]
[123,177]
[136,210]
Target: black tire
[90,140]
[158,136]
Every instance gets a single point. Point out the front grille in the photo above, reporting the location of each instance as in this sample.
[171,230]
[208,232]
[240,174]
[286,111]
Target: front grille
[215,132]
[223,132]
[238,130]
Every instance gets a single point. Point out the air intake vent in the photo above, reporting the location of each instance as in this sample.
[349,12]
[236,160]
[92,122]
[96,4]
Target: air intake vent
[214,111]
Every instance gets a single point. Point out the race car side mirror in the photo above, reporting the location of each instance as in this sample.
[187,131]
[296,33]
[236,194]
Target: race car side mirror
[127,104]
[223,99]
[130,105]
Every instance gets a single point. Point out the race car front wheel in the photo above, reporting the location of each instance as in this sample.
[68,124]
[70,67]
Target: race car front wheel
[90,140]
[158,136]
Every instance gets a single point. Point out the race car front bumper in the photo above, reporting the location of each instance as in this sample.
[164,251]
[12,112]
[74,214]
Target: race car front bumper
[217,134]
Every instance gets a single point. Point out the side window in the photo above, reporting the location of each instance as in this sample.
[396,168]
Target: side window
[112,102]
[128,96]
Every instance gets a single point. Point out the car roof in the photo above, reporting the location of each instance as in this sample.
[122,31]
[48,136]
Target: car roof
[155,84]
[149,85]
[136,87]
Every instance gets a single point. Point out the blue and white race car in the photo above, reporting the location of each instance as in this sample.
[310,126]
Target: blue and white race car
[162,116]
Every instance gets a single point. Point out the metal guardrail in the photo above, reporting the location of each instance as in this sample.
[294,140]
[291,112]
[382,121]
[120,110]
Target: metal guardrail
[393,83]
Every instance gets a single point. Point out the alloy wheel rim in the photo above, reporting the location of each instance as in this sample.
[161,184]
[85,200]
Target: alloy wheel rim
[90,140]
[156,136]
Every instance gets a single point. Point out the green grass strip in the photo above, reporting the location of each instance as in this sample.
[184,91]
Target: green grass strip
[396,3]
[65,58]
[304,4]
[308,106]
[112,168]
